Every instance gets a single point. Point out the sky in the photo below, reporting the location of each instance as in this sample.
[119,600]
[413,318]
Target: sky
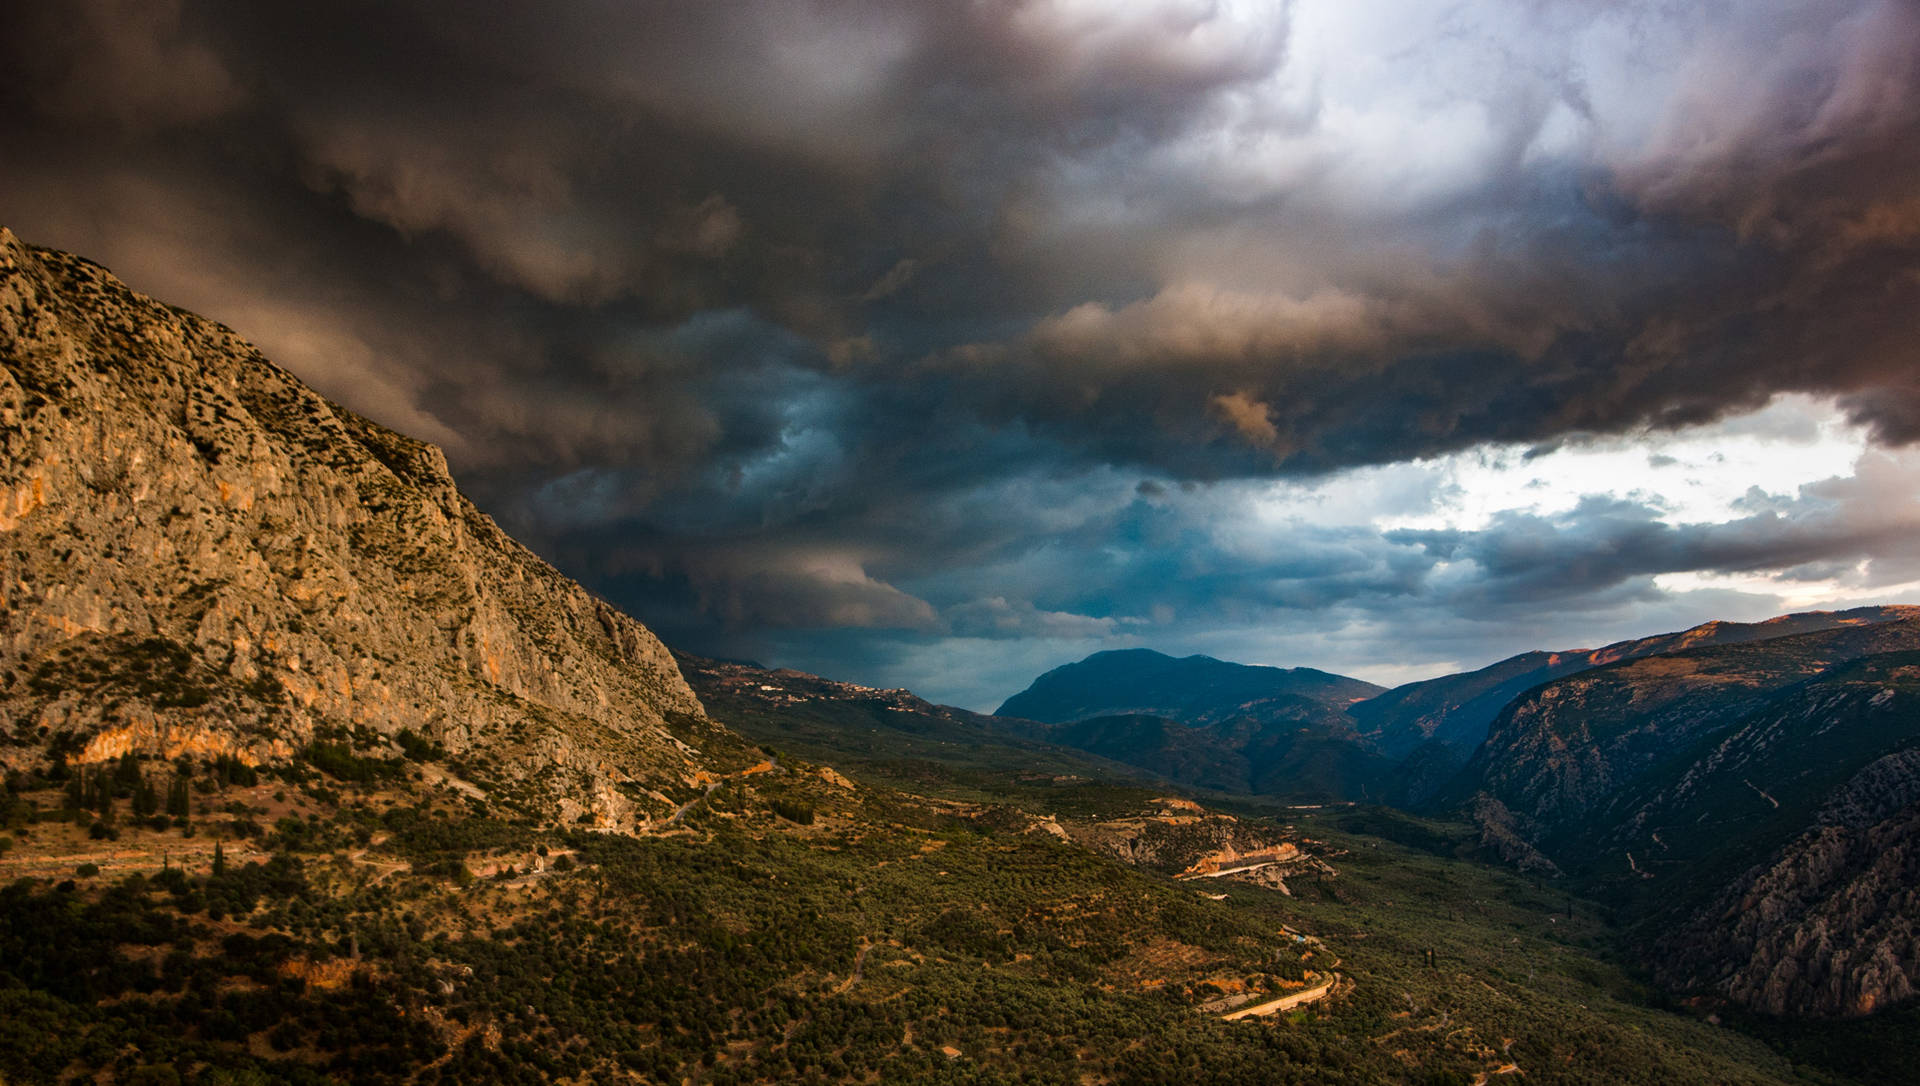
[936,344]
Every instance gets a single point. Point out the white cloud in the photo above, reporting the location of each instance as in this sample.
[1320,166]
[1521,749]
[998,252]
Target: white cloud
[1702,474]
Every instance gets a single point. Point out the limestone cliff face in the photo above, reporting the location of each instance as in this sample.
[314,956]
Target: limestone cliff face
[1451,715]
[1560,752]
[1769,857]
[200,554]
[1829,925]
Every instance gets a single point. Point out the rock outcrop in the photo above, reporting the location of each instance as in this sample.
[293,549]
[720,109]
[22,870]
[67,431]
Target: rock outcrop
[199,554]
[1188,842]
[1450,715]
[1563,750]
[1829,925]
[1752,812]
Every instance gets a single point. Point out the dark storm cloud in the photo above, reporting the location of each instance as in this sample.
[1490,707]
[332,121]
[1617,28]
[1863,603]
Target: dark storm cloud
[877,315]
[1205,571]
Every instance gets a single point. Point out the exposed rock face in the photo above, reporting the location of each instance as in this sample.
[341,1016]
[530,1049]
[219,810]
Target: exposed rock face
[200,554]
[1830,925]
[1449,716]
[1187,842]
[1758,826]
[1504,835]
[1557,753]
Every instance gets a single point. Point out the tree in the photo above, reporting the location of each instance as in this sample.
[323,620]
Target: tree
[103,795]
[145,801]
[219,860]
[126,773]
[178,799]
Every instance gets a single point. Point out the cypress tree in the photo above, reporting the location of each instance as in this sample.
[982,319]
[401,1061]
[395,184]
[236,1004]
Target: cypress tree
[145,801]
[126,774]
[219,860]
[103,795]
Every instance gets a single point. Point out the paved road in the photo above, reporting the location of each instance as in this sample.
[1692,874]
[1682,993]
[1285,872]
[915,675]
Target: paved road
[1286,1002]
[681,810]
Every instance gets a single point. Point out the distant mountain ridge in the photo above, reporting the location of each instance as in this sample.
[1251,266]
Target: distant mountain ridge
[1303,733]
[1192,689]
[1209,723]
[884,734]
[1749,806]
[1455,711]
[1561,751]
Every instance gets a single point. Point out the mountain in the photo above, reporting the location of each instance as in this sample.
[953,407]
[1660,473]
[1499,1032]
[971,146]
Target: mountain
[205,558]
[1805,819]
[1308,735]
[1566,749]
[889,735]
[1451,714]
[1192,689]
[1207,723]
[1748,808]
[432,812]
[313,775]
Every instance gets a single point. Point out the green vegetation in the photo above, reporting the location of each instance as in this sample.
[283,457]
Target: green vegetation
[338,760]
[1882,1048]
[789,929]
[900,742]
[733,950]
[799,813]
[154,670]
[1515,960]
[418,749]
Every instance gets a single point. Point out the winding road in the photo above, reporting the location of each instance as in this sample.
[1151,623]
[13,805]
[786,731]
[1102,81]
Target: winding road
[1286,1002]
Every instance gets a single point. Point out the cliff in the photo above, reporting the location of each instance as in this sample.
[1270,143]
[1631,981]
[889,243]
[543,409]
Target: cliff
[200,555]
[1827,925]
[1751,811]
[1446,718]
[1562,750]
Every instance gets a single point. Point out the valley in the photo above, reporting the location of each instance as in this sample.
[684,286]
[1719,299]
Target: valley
[313,774]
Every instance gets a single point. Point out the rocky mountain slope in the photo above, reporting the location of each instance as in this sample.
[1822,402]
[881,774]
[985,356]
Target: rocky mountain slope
[1748,808]
[1306,734]
[1451,714]
[199,555]
[1827,922]
[1563,750]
